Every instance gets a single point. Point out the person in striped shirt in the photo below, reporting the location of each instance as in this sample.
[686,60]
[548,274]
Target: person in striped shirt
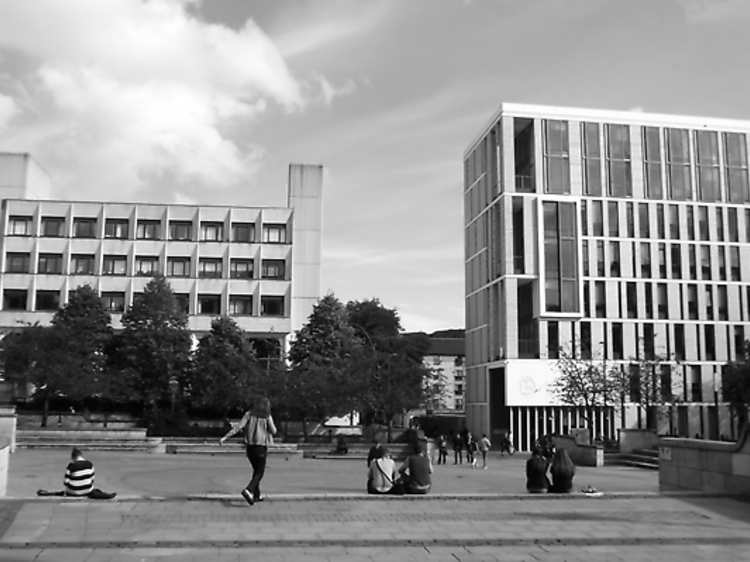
[79,476]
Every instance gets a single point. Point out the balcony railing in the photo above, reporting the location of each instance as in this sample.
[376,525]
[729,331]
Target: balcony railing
[525,184]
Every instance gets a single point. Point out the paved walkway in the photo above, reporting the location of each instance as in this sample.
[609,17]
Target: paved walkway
[466,525]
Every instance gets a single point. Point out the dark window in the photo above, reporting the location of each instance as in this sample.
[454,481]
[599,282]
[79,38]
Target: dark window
[735,167]
[652,162]
[183,302]
[19,226]
[709,303]
[617,341]
[676,251]
[553,340]
[665,382]
[722,297]
[84,228]
[556,156]
[710,342]
[597,226]
[649,336]
[632,299]
[561,276]
[674,222]
[17,263]
[678,164]
[696,384]
[274,233]
[679,342]
[212,232]
[519,236]
[644,225]
[114,265]
[703,222]
[692,262]
[210,268]
[662,302]
[82,264]
[113,301]
[600,298]
[271,306]
[178,267]
[209,304]
[662,249]
[614,259]
[692,295]
[585,252]
[180,230]
[618,161]
[630,219]
[241,269]
[645,260]
[47,300]
[739,343]
[116,228]
[50,264]
[523,147]
[148,230]
[634,377]
[241,305]
[649,300]
[660,232]
[722,263]
[273,269]
[613,218]
[146,265]
[243,232]
[734,263]
[720,224]
[592,159]
[733,224]
[707,165]
[14,299]
[706,262]
[52,226]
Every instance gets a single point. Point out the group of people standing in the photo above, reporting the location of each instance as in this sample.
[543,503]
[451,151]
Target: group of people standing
[460,442]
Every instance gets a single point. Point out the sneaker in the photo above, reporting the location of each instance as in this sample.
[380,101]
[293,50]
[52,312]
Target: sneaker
[248,496]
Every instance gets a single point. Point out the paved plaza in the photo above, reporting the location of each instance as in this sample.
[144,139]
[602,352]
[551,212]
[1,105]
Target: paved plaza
[186,508]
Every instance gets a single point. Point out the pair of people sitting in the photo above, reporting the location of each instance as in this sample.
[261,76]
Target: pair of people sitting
[414,475]
[561,469]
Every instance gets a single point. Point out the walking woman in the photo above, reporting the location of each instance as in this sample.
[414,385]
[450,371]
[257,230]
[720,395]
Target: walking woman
[259,431]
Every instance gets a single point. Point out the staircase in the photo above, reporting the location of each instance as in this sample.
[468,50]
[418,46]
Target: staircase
[89,440]
[639,458]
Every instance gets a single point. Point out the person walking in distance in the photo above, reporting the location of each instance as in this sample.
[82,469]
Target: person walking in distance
[484,447]
[458,449]
[472,449]
[259,431]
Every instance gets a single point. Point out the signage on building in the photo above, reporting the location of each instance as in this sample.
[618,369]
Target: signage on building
[528,382]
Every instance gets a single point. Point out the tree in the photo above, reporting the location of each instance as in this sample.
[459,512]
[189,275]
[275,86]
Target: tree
[586,381]
[735,385]
[153,350]
[320,382]
[225,373]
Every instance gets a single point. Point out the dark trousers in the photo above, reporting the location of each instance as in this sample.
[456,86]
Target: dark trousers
[257,455]
[442,456]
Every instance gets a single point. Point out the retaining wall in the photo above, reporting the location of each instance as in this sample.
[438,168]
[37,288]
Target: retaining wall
[4,459]
[632,439]
[580,454]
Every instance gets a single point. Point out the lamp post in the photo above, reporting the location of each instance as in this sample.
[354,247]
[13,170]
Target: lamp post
[174,386]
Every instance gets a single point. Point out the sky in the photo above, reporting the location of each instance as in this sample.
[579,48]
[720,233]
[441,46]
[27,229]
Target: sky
[208,102]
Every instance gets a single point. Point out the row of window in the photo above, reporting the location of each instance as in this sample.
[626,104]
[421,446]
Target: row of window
[55,227]
[148,266]
[655,298]
[114,301]
[670,262]
[669,221]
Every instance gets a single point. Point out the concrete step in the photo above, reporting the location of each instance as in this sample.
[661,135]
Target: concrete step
[212,447]
[81,434]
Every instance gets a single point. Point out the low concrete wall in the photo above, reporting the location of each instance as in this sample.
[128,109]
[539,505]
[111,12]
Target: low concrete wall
[632,439]
[8,425]
[705,466]
[4,460]
[580,454]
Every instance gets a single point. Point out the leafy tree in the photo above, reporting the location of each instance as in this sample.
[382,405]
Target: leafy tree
[735,385]
[320,383]
[154,348]
[225,372]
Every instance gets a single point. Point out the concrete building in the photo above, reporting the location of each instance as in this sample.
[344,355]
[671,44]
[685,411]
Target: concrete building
[446,356]
[259,265]
[627,232]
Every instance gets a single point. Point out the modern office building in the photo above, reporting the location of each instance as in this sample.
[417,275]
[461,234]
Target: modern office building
[259,265]
[626,232]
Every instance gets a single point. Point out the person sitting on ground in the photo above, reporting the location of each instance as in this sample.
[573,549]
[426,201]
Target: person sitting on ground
[536,473]
[416,472]
[374,452]
[381,477]
[79,480]
[562,471]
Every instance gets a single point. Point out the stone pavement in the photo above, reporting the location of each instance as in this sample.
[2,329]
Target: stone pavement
[200,517]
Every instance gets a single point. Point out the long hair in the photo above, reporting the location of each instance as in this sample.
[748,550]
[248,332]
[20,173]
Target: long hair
[262,407]
[561,463]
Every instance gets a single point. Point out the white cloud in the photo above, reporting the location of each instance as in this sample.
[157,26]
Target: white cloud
[328,91]
[128,90]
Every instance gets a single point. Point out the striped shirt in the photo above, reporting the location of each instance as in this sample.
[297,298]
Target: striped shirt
[79,478]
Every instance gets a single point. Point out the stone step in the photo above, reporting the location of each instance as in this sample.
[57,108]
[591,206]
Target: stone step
[81,434]
[182,446]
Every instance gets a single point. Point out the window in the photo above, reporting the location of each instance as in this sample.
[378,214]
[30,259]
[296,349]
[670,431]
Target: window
[50,264]
[662,248]
[733,225]
[618,161]
[644,226]
[734,263]
[274,233]
[703,222]
[649,300]
[617,341]
[690,223]
[561,271]
[660,232]
[661,300]
[674,222]
[212,232]
[600,298]
[634,382]
[553,340]
[17,263]
[148,230]
[739,343]
[692,262]
[147,266]
[210,268]
[706,262]
[243,232]
[710,335]
[116,228]
[241,269]
[676,251]
[585,252]
[598,220]
[183,302]
[709,302]
[14,299]
[273,269]
[209,304]
[592,159]
[645,260]
[584,218]
[722,263]
[707,165]
[586,299]
[679,342]
[113,301]
[735,167]
[84,228]
[178,267]
[241,305]
[692,302]
[678,164]
[82,264]
[180,230]
[271,306]
[613,218]
[47,300]
[115,265]
[665,382]
[614,259]
[696,384]
[52,226]
[632,299]
[556,156]
[652,162]
[630,219]
[19,226]
[722,297]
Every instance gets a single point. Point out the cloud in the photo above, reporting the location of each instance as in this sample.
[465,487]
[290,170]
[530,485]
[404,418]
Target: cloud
[716,11]
[129,91]
[328,91]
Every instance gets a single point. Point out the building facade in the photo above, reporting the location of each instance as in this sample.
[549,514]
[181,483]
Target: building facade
[446,357]
[627,232]
[259,265]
